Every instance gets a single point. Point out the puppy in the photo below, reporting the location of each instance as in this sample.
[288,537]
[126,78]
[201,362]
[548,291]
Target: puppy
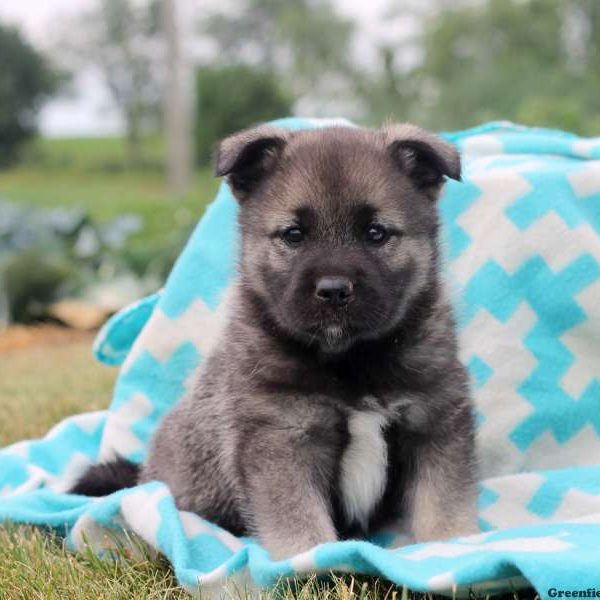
[334,403]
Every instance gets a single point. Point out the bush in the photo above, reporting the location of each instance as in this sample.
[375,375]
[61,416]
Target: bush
[232,98]
[26,80]
[46,256]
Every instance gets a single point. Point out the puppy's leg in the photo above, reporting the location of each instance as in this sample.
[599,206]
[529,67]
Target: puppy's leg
[290,515]
[442,495]
[287,473]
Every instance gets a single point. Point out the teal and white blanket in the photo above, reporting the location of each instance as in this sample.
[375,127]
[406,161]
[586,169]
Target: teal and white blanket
[523,259]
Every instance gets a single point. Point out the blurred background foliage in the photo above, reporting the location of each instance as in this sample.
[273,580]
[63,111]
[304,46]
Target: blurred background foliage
[48,254]
[26,80]
[453,64]
[261,98]
[534,62]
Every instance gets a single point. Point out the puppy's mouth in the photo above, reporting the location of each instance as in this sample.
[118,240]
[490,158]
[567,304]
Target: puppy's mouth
[333,335]
[340,329]
[333,328]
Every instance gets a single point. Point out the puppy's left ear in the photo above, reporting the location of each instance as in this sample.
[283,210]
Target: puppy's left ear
[249,156]
[423,156]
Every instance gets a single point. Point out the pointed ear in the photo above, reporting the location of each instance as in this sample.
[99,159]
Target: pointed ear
[423,156]
[248,156]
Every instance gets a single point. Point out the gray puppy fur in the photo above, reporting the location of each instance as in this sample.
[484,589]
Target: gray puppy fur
[334,403]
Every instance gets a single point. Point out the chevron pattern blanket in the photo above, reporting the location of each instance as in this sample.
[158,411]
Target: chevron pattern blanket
[523,258]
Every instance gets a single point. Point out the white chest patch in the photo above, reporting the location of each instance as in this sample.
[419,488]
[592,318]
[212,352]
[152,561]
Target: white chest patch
[364,466]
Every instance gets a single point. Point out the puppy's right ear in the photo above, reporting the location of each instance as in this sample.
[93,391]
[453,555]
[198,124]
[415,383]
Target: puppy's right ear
[248,156]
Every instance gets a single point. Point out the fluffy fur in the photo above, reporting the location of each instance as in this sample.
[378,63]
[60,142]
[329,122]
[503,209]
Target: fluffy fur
[319,417]
[106,478]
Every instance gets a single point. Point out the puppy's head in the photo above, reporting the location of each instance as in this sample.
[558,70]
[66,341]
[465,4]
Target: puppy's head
[339,225]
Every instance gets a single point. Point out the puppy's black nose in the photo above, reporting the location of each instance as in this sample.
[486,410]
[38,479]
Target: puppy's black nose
[337,291]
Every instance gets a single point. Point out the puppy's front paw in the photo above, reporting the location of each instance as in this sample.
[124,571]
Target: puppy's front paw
[437,530]
[284,547]
[469,526]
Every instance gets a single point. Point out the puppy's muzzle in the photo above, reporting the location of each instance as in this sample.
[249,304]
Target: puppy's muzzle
[336,291]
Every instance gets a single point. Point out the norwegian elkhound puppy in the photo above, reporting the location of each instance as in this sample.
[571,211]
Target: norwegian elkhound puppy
[334,403]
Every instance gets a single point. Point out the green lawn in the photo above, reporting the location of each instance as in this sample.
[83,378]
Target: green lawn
[40,386]
[90,173]
[35,565]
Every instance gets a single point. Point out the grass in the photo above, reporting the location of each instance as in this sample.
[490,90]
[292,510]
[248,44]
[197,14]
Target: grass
[35,565]
[42,385]
[37,561]
[39,386]
[91,174]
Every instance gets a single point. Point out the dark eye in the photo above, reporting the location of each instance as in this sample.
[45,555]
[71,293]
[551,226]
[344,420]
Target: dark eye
[376,234]
[292,236]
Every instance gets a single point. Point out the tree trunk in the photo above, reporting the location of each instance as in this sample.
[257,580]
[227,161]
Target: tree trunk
[177,107]
[135,154]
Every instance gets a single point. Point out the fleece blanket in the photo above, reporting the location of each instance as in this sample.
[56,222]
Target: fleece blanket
[522,236]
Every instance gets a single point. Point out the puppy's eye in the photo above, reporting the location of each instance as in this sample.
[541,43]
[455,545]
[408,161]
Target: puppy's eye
[292,236]
[376,234]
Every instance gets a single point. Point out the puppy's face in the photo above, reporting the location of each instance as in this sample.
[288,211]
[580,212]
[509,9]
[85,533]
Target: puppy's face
[339,225]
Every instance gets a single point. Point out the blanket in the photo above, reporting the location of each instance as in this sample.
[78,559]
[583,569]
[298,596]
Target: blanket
[522,246]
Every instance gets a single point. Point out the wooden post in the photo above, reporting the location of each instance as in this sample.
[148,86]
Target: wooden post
[177,109]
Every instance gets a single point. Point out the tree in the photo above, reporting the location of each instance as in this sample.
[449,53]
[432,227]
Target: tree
[26,81]
[304,43]
[234,97]
[387,92]
[177,114]
[531,61]
[483,62]
[122,39]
